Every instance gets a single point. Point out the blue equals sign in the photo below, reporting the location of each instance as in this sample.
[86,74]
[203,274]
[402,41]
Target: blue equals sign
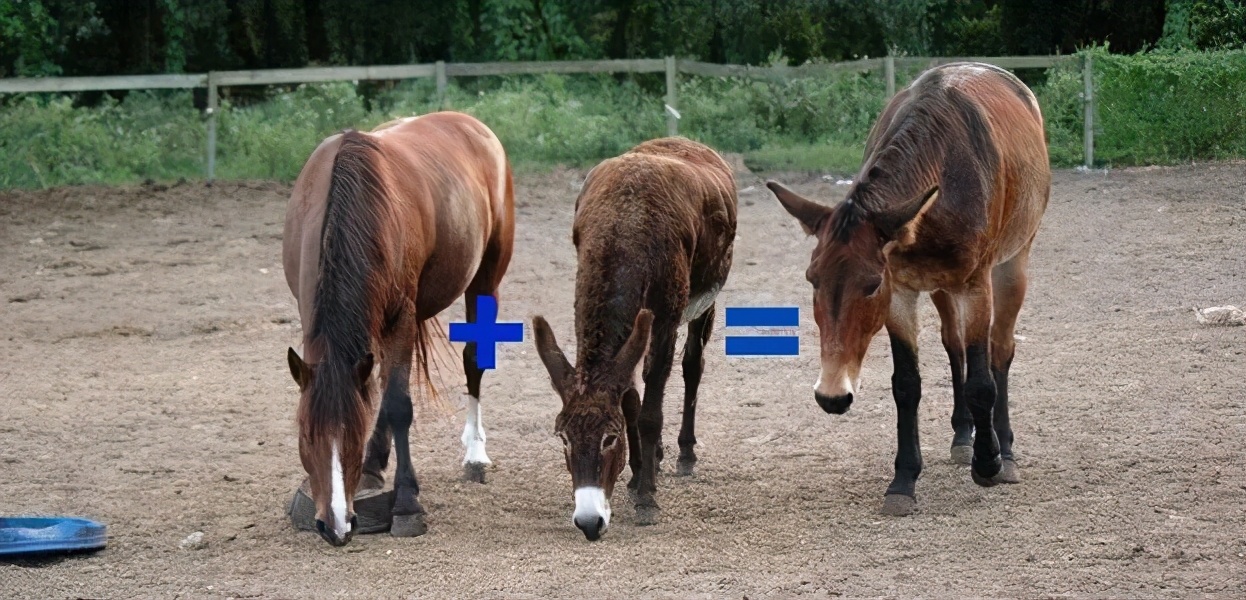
[763,317]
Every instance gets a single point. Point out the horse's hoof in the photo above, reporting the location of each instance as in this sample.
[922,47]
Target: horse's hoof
[1008,472]
[474,472]
[899,505]
[685,468]
[408,525]
[962,455]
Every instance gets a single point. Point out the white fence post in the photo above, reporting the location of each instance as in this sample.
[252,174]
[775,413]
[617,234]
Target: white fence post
[212,110]
[441,85]
[1088,99]
[889,69]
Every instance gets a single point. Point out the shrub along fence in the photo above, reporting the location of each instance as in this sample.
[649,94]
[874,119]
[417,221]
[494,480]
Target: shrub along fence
[442,72]
[1138,108]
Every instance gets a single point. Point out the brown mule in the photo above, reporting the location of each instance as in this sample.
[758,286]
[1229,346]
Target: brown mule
[654,230]
[948,201]
[384,230]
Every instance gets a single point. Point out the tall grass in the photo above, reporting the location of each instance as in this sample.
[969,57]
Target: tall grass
[1152,108]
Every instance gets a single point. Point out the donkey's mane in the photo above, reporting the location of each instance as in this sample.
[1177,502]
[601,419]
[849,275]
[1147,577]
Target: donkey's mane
[349,253]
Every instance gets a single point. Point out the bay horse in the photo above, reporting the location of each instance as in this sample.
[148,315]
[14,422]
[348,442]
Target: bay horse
[383,231]
[948,201]
[654,230]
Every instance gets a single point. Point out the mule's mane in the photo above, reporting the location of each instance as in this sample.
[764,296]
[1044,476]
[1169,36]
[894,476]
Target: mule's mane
[349,254]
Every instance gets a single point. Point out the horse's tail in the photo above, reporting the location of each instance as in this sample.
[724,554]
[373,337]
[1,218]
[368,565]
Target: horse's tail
[435,364]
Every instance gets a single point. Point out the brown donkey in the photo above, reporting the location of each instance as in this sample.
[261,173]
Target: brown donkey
[948,201]
[384,230]
[653,231]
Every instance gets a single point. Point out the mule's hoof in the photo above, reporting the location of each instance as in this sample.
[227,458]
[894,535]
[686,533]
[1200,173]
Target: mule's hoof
[899,505]
[475,472]
[408,525]
[685,468]
[962,455]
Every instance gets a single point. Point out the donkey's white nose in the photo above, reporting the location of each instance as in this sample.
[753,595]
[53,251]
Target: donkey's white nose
[592,512]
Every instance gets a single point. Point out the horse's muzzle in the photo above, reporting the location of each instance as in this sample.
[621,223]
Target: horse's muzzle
[836,405]
[332,537]
[592,526]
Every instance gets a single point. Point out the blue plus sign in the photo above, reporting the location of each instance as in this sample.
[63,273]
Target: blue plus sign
[486,332]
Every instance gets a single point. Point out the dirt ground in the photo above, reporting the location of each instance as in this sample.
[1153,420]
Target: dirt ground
[143,382]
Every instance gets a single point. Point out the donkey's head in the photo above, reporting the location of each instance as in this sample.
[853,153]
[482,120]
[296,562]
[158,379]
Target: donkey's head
[333,424]
[597,408]
[851,290]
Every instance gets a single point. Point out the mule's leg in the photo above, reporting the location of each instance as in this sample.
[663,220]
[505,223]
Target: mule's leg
[954,344]
[906,386]
[693,366]
[408,514]
[475,460]
[1009,282]
[979,382]
[661,357]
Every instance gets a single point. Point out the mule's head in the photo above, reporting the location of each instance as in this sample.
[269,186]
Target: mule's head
[851,290]
[597,407]
[332,428]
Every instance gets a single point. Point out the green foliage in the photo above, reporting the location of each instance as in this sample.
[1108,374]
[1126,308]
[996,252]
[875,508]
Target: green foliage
[1218,24]
[1164,107]
[27,39]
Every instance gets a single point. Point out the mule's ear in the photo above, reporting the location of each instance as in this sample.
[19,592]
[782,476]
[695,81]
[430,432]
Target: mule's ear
[631,406]
[808,212]
[634,348]
[560,369]
[298,369]
[363,368]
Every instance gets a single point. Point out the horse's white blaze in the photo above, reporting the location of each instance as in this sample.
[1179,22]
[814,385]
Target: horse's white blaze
[838,382]
[474,434]
[591,503]
[338,503]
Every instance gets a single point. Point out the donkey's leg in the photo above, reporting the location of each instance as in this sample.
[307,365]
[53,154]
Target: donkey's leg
[475,460]
[408,514]
[1009,282]
[906,386]
[693,366]
[979,382]
[954,344]
[661,357]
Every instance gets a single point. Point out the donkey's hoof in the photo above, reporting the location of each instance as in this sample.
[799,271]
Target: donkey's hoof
[899,505]
[408,525]
[685,467]
[648,514]
[475,472]
[962,455]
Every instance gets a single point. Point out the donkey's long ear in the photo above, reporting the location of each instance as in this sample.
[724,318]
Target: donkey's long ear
[298,369]
[808,212]
[892,220]
[634,348]
[560,370]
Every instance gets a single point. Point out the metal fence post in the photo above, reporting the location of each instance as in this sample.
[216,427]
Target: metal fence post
[441,84]
[212,110]
[1088,100]
[672,101]
[889,68]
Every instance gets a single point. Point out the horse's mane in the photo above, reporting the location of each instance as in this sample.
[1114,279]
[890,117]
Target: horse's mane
[349,255]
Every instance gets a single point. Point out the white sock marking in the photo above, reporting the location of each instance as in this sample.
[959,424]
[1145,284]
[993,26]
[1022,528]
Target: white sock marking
[338,503]
[590,503]
[474,434]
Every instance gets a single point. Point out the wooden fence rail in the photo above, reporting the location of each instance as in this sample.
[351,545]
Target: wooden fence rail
[442,71]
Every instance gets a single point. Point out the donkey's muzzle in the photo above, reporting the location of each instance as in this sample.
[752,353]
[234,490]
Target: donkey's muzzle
[836,405]
[592,526]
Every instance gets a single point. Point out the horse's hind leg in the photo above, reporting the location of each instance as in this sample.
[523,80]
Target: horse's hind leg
[954,344]
[980,391]
[408,514]
[906,386]
[485,283]
[693,366]
[1009,282]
